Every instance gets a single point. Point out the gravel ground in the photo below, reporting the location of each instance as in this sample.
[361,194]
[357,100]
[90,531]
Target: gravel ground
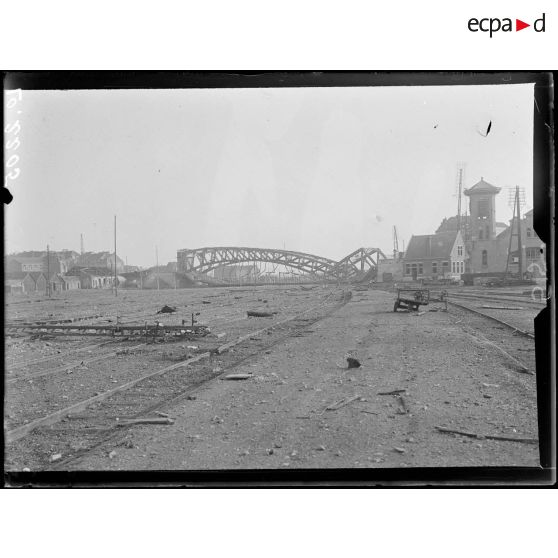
[278,418]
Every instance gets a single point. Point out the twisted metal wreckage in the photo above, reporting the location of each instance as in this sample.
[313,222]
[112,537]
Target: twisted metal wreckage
[359,266]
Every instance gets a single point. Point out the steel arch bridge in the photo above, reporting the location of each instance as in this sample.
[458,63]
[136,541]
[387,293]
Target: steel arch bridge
[360,265]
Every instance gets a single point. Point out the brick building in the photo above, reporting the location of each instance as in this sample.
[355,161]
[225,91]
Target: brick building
[435,256]
[488,243]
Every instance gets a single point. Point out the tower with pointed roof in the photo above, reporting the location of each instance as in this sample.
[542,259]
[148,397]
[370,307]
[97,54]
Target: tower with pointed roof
[482,209]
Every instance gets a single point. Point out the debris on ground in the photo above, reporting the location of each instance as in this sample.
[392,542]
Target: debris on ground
[238,376]
[112,454]
[152,420]
[257,314]
[490,385]
[501,307]
[486,436]
[158,413]
[342,403]
[206,302]
[400,450]
[167,310]
[404,409]
[393,392]
[353,363]
[55,457]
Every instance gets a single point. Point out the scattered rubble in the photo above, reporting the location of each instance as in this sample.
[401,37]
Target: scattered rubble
[258,314]
[147,420]
[342,403]
[353,363]
[167,310]
[238,376]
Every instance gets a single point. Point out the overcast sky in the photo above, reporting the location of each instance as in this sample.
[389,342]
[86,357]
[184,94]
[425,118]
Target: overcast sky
[317,170]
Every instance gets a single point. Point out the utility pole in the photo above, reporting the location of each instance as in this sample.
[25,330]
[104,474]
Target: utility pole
[157,265]
[395,244]
[516,222]
[48,271]
[115,275]
[460,185]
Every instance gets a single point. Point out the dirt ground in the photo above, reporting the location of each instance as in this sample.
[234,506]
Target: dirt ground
[279,417]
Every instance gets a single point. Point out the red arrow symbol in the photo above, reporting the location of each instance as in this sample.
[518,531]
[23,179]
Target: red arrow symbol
[519,25]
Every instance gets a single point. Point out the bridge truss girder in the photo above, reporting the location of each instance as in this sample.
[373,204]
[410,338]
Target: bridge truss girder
[358,265]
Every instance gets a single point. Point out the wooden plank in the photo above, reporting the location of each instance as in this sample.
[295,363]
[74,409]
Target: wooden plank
[487,436]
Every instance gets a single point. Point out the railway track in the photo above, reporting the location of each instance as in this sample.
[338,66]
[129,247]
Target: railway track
[149,392]
[66,367]
[493,318]
[499,299]
[27,363]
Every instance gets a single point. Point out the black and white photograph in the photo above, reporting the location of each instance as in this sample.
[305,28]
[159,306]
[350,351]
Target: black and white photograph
[289,273]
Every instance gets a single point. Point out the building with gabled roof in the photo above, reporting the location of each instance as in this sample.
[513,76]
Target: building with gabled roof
[435,256]
[100,260]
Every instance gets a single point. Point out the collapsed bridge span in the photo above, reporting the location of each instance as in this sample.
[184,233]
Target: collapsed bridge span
[360,265]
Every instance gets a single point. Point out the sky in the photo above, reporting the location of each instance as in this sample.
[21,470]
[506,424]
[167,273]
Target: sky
[317,170]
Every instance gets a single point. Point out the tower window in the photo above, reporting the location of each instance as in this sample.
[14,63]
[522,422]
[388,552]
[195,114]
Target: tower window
[484,208]
[529,233]
[460,250]
[481,234]
[484,257]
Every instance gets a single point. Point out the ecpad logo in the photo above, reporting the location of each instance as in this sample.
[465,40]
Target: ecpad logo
[493,25]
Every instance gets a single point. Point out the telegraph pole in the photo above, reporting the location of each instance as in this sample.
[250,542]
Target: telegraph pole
[519,241]
[516,221]
[115,275]
[157,265]
[48,271]
[460,185]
